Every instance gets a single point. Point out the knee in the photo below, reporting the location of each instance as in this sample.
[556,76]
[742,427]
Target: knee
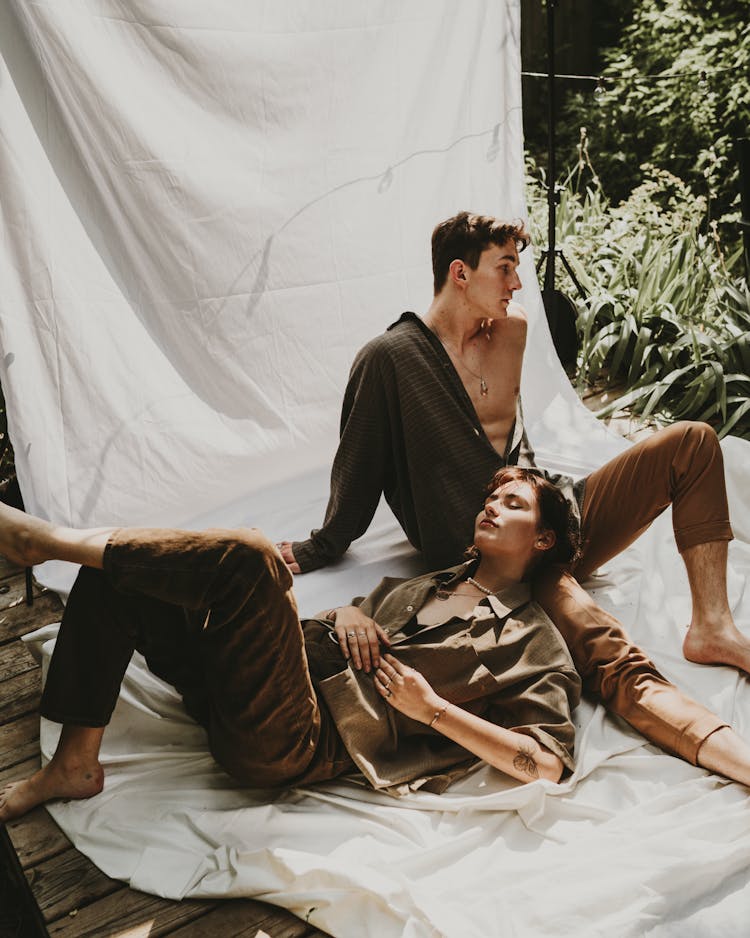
[248,552]
[695,433]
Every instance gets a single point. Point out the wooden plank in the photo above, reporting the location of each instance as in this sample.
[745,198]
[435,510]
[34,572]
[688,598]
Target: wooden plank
[67,882]
[36,837]
[13,590]
[21,770]
[243,918]
[8,569]
[18,619]
[20,695]
[15,658]
[19,739]
[130,913]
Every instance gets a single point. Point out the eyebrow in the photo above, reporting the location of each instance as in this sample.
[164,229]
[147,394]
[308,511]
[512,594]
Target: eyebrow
[509,257]
[514,494]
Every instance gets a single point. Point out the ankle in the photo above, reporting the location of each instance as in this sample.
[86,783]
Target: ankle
[76,777]
[712,622]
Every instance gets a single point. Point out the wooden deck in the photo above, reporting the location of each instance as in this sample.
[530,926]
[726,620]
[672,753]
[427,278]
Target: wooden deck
[74,898]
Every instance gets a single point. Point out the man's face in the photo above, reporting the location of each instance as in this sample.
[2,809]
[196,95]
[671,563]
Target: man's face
[491,286]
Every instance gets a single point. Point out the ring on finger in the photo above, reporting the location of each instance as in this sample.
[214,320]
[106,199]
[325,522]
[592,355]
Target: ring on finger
[350,634]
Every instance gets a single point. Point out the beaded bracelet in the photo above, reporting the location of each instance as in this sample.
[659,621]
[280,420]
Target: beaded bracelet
[438,714]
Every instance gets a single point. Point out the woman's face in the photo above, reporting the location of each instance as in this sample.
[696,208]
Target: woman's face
[509,522]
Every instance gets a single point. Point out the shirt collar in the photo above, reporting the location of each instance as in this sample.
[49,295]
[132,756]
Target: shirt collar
[503,603]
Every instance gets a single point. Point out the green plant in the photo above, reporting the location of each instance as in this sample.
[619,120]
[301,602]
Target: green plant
[676,94]
[663,320]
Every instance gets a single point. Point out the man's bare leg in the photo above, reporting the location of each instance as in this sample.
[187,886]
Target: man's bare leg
[712,638]
[27,540]
[681,465]
[73,772]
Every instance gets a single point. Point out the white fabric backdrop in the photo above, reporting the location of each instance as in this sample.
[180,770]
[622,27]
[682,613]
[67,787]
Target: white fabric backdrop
[206,209]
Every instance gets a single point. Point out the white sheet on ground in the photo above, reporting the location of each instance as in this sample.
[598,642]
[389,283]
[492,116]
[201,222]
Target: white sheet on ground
[206,209]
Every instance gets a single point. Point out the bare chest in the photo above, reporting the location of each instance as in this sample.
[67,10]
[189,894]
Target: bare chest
[491,376]
[436,611]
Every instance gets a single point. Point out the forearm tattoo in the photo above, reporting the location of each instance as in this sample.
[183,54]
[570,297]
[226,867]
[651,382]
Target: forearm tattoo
[525,762]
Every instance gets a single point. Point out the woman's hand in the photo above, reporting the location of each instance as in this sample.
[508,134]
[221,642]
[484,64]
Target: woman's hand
[407,690]
[359,637]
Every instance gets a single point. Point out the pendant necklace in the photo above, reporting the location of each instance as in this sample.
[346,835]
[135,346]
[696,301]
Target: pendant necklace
[483,388]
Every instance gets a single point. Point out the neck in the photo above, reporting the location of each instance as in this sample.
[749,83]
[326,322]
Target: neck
[453,323]
[500,573]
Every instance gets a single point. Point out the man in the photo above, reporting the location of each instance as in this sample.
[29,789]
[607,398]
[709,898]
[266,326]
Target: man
[433,405]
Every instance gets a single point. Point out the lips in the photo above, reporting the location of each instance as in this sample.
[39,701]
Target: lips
[486,522]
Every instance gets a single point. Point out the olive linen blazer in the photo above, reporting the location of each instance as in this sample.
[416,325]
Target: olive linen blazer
[505,662]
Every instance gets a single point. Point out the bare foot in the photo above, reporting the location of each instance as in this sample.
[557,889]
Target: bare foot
[24,539]
[724,644]
[48,783]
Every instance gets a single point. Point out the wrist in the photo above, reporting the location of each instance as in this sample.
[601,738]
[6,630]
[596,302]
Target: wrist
[437,713]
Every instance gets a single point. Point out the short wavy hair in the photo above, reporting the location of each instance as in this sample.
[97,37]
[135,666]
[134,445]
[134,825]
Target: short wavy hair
[555,514]
[465,236]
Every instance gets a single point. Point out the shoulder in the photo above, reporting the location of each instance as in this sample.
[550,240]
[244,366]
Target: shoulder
[509,333]
[541,633]
[517,317]
[515,325]
[399,341]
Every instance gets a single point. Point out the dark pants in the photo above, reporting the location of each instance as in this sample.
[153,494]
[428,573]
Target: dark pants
[681,466]
[214,615]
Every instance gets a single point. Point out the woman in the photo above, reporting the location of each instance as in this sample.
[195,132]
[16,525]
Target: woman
[473,669]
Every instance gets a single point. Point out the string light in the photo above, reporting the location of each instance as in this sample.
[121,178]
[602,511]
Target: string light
[703,77]
[599,90]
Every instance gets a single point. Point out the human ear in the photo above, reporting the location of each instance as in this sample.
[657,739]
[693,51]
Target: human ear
[457,271]
[545,540]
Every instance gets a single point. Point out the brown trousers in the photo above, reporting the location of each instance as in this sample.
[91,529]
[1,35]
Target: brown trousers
[214,615]
[681,465]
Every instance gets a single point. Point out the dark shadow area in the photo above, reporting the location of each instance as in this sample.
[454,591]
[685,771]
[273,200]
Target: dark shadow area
[19,914]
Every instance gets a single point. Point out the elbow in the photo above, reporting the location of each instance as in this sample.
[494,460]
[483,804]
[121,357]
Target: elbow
[552,770]
[543,764]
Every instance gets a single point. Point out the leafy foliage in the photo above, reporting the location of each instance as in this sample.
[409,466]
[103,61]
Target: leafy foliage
[686,120]
[664,317]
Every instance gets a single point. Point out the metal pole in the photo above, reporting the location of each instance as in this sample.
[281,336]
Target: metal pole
[744,153]
[549,274]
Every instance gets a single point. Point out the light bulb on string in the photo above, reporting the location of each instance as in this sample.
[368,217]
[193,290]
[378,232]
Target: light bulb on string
[599,90]
[703,81]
